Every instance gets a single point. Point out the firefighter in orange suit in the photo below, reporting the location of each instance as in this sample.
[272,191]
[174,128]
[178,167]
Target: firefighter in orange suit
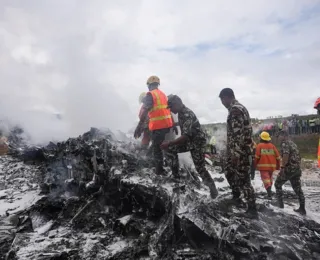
[267,160]
[160,120]
[317,105]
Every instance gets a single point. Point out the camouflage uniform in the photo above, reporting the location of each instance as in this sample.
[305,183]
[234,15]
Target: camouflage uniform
[292,171]
[239,144]
[190,127]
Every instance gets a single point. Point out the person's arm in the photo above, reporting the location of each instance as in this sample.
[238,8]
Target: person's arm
[147,104]
[181,140]
[186,132]
[285,151]
[257,155]
[237,132]
[278,157]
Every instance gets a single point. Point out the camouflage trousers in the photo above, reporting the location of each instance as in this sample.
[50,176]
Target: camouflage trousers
[197,154]
[295,182]
[157,137]
[238,177]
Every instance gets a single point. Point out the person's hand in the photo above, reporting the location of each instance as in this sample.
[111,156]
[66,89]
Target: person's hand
[175,129]
[234,160]
[137,132]
[165,145]
[281,171]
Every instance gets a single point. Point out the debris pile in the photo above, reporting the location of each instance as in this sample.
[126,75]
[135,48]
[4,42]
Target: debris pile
[96,199]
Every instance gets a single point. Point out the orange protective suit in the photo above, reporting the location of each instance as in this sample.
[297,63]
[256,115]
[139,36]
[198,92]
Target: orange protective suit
[267,160]
[146,133]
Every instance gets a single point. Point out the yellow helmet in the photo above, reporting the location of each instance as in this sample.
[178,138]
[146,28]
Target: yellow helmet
[142,96]
[153,79]
[265,136]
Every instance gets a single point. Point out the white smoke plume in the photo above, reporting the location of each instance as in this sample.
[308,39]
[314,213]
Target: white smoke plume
[48,66]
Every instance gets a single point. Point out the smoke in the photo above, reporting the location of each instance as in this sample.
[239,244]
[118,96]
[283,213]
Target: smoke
[219,131]
[50,64]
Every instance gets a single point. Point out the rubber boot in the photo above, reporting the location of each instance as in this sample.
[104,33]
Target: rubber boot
[278,203]
[160,171]
[175,173]
[301,210]
[252,211]
[269,193]
[212,187]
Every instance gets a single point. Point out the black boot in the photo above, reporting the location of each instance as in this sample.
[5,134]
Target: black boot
[269,193]
[212,187]
[175,174]
[278,203]
[301,210]
[160,171]
[252,211]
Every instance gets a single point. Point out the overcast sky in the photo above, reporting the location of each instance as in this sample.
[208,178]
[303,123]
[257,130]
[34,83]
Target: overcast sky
[89,60]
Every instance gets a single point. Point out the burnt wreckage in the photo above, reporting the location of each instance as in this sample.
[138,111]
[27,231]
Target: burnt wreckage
[100,200]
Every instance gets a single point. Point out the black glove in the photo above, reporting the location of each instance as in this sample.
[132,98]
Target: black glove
[175,130]
[138,131]
[252,175]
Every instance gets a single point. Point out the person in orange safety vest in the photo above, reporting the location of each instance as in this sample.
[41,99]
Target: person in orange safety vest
[267,160]
[160,120]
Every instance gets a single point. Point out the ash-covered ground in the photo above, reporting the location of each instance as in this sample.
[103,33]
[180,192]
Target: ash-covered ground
[94,197]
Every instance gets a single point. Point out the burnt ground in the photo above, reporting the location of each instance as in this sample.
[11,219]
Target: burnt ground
[93,197]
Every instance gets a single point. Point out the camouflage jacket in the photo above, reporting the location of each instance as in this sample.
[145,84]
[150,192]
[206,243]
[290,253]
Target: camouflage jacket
[239,131]
[190,126]
[290,148]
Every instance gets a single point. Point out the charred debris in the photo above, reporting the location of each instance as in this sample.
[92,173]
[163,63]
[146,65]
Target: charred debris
[99,199]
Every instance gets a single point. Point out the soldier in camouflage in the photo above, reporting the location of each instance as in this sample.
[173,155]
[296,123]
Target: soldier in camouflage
[239,150]
[192,139]
[290,171]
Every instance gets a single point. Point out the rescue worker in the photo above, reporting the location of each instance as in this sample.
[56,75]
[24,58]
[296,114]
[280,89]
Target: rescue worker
[267,160]
[4,148]
[290,171]
[160,120]
[212,144]
[312,125]
[192,139]
[145,132]
[317,105]
[239,150]
[252,165]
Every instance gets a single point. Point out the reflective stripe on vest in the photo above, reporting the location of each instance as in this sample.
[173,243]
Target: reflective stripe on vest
[159,118]
[159,105]
[267,152]
[266,165]
[159,115]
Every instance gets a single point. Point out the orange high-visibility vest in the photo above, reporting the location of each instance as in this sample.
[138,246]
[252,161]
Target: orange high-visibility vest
[159,115]
[319,154]
[267,157]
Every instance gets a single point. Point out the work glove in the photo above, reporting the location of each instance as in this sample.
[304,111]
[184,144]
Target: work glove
[175,130]
[281,173]
[252,175]
[137,132]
